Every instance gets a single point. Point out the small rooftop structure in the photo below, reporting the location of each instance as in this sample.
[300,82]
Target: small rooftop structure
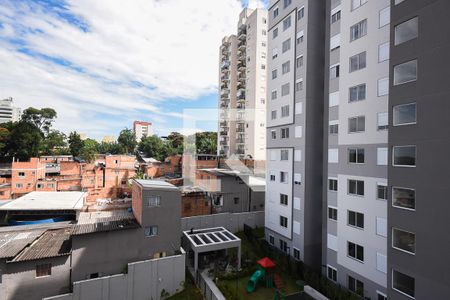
[156,184]
[100,221]
[47,201]
[211,239]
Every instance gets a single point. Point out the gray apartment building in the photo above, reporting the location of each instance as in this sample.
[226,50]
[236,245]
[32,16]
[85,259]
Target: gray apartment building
[419,165]
[294,128]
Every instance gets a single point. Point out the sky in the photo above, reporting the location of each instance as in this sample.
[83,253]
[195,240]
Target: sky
[103,64]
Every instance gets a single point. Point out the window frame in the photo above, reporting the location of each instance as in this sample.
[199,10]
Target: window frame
[356,187]
[399,24]
[404,166]
[335,273]
[356,213]
[403,207]
[356,251]
[399,291]
[394,119]
[359,67]
[359,24]
[408,81]
[357,153]
[400,249]
[331,216]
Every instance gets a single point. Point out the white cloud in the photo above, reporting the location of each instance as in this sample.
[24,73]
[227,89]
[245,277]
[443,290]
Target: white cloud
[134,57]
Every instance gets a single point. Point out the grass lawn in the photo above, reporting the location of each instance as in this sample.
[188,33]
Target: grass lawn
[260,293]
[191,292]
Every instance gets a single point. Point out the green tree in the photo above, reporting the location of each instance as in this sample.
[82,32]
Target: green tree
[75,144]
[206,142]
[41,118]
[24,141]
[110,148]
[90,148]
[54,142]
[153,146]
[4,137]
[127,140]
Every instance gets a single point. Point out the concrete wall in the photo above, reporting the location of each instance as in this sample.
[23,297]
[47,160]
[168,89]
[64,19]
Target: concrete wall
[18,280]
[233,222]
[144,280]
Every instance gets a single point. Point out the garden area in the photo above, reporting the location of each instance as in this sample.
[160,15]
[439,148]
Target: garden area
[190,292]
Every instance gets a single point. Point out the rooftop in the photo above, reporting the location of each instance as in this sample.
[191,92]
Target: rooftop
[100,221]
[211,237]
[47,201]
[156,184]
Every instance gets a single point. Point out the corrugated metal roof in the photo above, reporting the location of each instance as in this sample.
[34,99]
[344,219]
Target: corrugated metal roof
[52,243]
[12,242]
[104,221]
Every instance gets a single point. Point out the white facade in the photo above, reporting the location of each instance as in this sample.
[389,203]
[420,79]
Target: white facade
[142,129]
[242,85]
[8,112]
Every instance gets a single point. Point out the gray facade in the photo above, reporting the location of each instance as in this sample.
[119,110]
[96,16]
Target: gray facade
[295,93]
[426,262]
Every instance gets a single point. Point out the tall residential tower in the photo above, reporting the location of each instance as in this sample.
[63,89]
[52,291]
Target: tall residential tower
[242,85]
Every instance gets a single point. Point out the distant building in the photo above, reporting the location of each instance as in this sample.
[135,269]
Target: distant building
[8,112]
[142,129]
[83,136]
[109,139]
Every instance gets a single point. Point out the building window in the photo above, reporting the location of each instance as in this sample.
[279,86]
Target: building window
[283,221]
[358,62]
[406,72]
[404,198]
[286,67]
[283,199]
[382,191]
[274,74]
[383,87]
[297,178]
[21,174]
[286,45]
[357,124]
[273,134]
[19,185]
[358,30]
[404,156]
[357,93]
[275,33]
[356,187]
[272,177]
[43,270]
[285,89]
[332,273]
[403,283]
[275,12]
[296,254]
[383,52]
[274,114]
[154,201]
[285,133]
[286,23]
[334,71]
[284,154]
[236,200]
[263,32]
[332,185]
[299,61]
[283,177]
[299,85]
[382,120]
[404,240]
[358,3]
[332,213]
[404,114]
[355,286]
[287,3]
[355,251]
[274,95]
[51,185]
[285,111]
[356,156]
[334,129]
[355,219]
[381,296]
[40,185]
[301,13]
[333,155]
[271,240]
[283,246]
[274,53]
[406,31]
[335,17]
[384,17]
[300,36]
[151,231]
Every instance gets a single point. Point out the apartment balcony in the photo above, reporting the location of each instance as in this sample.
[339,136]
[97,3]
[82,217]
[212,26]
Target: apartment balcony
[224,85]
[223,143]
[223,133]
[223,123]
[240,141]
[240,106]
[240,151]
[241,95]
[225,64]
[240,129]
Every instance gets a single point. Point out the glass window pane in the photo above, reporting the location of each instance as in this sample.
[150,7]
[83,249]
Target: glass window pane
[404,114]
[406,31]
[403,283]
[405,198]
[404,240]
[404,156]
[405,72]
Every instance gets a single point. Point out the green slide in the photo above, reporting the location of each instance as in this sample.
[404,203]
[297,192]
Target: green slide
[251,284]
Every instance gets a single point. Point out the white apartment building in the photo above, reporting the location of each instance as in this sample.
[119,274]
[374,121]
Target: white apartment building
[357,99]
[293,216]
[242,86]
[142,129]
[8,112]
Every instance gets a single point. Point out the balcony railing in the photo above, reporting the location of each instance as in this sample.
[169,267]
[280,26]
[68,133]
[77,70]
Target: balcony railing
[240,129]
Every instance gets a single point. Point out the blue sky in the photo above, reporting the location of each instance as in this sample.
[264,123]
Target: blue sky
[103,64]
